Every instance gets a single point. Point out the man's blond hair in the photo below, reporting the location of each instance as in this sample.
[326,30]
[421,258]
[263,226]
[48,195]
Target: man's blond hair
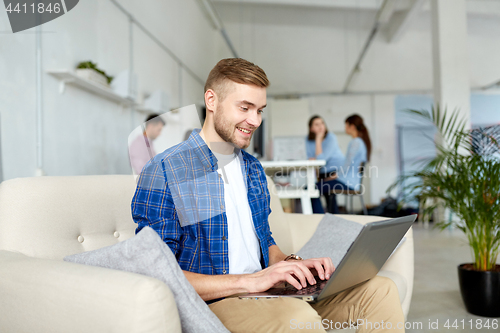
[237,70]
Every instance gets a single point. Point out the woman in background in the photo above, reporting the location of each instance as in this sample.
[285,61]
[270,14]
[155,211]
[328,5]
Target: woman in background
[323,145]
[347,176]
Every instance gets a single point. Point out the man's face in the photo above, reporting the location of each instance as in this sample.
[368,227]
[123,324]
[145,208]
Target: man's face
[153,130]
[240,113]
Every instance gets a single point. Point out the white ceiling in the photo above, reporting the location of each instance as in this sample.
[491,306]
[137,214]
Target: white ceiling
[311,46]
[353,4]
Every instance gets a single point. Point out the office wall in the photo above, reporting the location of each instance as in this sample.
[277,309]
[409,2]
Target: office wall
[317,48]
[328,41]
[288,117]
[84,133]
[485,109]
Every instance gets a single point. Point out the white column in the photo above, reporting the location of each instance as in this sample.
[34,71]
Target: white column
[451,55]
[450,62]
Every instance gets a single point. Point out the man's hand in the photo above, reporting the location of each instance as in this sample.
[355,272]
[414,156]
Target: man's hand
[321,267]
[295,272]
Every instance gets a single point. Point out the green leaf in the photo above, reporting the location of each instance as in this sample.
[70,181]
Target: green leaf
[463,181]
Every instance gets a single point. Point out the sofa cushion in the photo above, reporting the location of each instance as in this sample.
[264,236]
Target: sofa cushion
[277,220]
[147,254]
[331,239]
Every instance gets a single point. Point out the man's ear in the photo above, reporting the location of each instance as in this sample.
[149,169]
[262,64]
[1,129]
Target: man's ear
[210,100]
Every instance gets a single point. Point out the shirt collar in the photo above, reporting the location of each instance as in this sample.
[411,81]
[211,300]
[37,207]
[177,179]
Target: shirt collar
[204,153]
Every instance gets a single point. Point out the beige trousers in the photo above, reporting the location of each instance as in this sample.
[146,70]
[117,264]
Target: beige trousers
[374,306]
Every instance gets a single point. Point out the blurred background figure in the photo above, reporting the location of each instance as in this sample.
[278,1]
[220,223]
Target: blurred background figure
[347,176]
[323,145]
[141,149]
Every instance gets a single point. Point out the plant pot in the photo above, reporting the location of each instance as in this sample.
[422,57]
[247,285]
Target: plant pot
[480,290]
[92,75]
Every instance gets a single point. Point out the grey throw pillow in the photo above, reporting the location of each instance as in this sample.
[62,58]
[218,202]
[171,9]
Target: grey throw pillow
[331,239]
[147,254]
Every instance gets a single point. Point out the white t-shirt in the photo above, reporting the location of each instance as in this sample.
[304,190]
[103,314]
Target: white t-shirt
[243,244]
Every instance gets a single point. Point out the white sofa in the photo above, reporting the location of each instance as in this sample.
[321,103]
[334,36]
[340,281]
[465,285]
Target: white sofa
[45,219]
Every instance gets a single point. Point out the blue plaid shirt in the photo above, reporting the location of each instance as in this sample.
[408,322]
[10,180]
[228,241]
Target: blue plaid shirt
[181,196]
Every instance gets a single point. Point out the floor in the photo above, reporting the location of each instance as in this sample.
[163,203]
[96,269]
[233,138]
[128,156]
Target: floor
[436,296]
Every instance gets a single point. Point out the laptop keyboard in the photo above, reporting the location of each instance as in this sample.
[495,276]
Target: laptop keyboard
[309,289]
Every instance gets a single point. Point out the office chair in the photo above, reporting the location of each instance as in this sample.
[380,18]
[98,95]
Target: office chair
[349,194]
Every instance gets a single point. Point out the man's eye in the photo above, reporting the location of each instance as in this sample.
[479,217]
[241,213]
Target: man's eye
[261,111]
[244,108]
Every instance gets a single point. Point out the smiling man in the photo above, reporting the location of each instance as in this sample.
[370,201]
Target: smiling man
[208,200]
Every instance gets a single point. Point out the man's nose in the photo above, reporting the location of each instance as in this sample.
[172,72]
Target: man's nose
[254,119]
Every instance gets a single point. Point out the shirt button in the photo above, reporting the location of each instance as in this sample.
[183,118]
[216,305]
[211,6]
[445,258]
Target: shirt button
[220,176]
[208,165]
[224,237]
[221,206]
[224,272]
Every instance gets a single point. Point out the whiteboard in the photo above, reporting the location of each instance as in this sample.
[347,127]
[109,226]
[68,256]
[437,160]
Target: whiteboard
[289,148]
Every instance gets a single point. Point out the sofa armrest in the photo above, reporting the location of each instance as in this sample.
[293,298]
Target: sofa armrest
[403,262]
[43,295]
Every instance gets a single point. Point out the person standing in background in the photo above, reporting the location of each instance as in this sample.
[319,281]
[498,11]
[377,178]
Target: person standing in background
[141,150]
[323,145]
[347,176]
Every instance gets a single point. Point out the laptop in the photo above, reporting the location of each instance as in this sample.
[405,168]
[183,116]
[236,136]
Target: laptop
[363,260]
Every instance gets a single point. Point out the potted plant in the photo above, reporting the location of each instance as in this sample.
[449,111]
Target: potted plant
[465,178]
[89,71]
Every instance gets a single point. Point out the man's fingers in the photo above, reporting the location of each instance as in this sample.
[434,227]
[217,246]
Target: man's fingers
[300,274]
[327,267]
[322,266]
[319,268]
[330,267]
[315,266]
[290,279]
[308,273]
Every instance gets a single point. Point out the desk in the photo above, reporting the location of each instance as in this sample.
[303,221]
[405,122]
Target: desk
[290,192]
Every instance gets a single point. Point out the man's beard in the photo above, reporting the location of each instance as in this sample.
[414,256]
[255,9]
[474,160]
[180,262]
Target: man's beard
[226,130]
